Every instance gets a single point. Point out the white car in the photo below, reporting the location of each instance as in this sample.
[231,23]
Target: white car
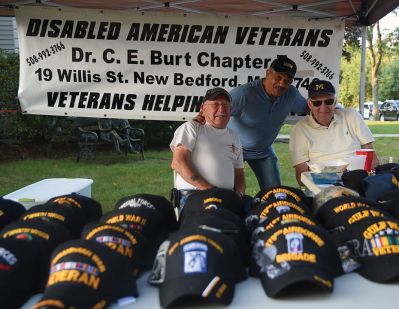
[368,109]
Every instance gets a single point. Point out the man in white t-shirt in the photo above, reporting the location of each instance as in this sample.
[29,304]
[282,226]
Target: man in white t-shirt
[210,155]
[327,133]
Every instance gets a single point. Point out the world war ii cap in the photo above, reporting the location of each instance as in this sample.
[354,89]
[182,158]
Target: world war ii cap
[320,87]
[283,64]
[202,265]
[213,93]
[9,211]
[91,266]
[296,255]
[151,201]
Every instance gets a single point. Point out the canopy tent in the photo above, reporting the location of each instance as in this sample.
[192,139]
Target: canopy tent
[361,12]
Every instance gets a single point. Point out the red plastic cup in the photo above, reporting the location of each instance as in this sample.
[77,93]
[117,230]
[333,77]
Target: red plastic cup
[369,153]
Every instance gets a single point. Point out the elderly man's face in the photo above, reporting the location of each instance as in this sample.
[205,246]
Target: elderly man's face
[277,83]
[217,112]
[322,107]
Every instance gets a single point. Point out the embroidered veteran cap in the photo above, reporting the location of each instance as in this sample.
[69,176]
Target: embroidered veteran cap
[93,267]
[296,256]
[213,93]
[214,198]
[21,271]
[131,244]
[155,202]
[283,64]
[91,208]
[390,202]
[9,211]
[202,265]
[320,87]
[375,244]
[282,193]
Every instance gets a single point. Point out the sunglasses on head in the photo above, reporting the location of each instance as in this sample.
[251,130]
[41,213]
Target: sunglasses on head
[317,103]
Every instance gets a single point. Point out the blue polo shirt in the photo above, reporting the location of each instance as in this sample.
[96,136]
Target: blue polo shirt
[257,119]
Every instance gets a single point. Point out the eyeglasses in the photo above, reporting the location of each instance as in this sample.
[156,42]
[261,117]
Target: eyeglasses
[317,103]
[217,105]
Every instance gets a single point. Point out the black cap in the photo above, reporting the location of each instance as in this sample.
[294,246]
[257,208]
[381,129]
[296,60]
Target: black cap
[354,180]
[283,64]
[376,186]
[282,193]
[9,211]
[154,202]
[213,93]
[200,264]
[320,87]
[293,254]
[390,202]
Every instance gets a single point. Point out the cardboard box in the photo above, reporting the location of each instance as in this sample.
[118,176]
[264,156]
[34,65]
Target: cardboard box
[41,191]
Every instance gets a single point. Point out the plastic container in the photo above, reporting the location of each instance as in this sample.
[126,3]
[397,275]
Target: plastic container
[41,191]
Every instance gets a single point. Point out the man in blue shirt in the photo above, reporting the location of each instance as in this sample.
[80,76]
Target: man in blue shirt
[258,112]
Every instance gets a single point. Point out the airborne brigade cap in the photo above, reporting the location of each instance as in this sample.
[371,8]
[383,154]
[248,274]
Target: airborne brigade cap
[21,271]
[91,208]
[214,198]
[90,267]
[282,193]
[200,265]
[296,257]
[375,245]
[9,211]
[130,244]
[58,214]
[283,64]
[157,203]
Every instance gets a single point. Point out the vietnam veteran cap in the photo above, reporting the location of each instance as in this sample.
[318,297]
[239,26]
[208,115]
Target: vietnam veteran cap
[90,206]
[131,244]
[282,193]
[151,201]
[283,64]
[200,265]
[375,244]
[296,256]
[214,198]
[94,267]
[9,211]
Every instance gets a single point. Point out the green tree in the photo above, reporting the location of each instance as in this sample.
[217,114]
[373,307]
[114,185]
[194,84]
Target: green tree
[349,88]
[389,85]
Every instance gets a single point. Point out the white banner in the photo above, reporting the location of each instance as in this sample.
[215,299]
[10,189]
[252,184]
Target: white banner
[132,65]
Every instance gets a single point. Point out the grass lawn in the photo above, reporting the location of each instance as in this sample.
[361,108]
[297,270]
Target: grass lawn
[116,176]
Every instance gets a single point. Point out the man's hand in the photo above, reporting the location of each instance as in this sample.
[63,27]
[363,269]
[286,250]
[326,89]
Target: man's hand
[199,118]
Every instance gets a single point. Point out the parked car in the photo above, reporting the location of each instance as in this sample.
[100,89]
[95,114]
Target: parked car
[390,110]
[368,109]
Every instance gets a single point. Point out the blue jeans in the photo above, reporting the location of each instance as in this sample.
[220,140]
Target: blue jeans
[266,171]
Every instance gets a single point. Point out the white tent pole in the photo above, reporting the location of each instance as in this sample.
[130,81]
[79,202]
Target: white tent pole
[362,71]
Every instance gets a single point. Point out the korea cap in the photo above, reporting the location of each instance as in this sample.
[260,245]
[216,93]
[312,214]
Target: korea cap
[9,211]
[200,264]
[151,201]
[375,243]
[296,256]
[214,198]
[58,214]
[282,193]
[320,87]
[93,266]
[91,208]
[21,266]
[213,93]
[131,244]
[283,64]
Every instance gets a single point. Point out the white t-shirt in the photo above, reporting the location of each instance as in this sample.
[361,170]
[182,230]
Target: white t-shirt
[215,153]
[310,141]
